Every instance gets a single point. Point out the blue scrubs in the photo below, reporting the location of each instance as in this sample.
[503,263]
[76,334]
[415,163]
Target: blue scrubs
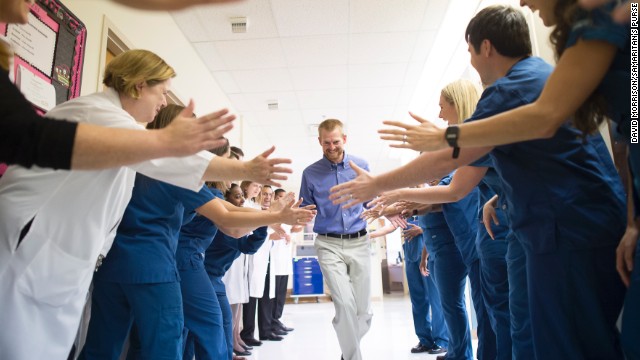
[493,266]
[429,326]
[450,274]
[203,320]
[616,89]
[567,206]
[139,278]
[462,219]
[218,259]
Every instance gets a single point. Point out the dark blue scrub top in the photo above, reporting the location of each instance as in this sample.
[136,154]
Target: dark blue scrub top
[413,248]
[145,245]
[224,250]
[195,238]
[561,192]
[462,218]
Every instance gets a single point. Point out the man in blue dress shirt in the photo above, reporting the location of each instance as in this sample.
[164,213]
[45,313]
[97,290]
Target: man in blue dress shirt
[342,244]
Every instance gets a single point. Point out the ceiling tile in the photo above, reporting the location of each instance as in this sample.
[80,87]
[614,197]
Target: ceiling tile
[323,99]
[210,56]
[263,80]
[311,17]
[190,25]
[251,54]
[226,82]
[261,23]
[423,45]
[386,16]
[319,77]
[377,75]
[316,116]
[277,118]
[436,9]
[321,50]
[381,47]
[258,101]
[373,97]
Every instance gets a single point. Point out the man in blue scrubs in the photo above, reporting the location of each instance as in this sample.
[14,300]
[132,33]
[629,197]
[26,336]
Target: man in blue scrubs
[342,244]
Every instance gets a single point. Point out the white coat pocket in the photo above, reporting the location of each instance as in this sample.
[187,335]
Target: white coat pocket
[54,277]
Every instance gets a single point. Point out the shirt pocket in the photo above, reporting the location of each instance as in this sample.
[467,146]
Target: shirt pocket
[54,277]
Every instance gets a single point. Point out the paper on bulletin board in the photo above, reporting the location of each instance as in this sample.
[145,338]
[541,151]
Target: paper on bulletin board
[34,42]
[39,92]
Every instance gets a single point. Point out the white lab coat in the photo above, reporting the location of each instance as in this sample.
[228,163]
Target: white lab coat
[44,279]
[236,279]
[281,257]
[258,270]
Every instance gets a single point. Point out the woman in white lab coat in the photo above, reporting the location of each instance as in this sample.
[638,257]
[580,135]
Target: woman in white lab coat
[53,224]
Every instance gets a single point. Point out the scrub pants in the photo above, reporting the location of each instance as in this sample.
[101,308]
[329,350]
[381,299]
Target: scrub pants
[346,267]
[631,315]
[202,316]
[438,325]
[521,337]
[450,276]
[422,300]
[575,298]
[156,308]
[495,286]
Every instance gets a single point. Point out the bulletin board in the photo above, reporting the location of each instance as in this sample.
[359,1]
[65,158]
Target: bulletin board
[49,54]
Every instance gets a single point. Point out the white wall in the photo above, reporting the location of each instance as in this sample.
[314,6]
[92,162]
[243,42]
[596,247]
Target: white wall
[157,32]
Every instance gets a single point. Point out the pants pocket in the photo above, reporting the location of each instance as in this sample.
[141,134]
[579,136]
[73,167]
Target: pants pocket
[54,277]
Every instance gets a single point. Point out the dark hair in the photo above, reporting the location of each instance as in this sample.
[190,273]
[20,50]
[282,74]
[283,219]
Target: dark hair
[221,150]
[228,192]
[506,29]
[165,116]
[237,151]
[593,111]
[278,191]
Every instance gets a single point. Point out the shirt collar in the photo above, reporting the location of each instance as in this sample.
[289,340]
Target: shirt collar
[344,164]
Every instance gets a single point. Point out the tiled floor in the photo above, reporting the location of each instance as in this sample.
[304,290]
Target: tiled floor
[391,335]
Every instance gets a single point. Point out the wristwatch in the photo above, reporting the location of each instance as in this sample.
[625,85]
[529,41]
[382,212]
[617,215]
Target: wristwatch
[451,136]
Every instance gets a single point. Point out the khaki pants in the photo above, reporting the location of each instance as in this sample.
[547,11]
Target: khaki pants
[346,268]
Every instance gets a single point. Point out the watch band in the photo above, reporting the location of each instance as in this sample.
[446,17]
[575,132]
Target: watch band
[451,136]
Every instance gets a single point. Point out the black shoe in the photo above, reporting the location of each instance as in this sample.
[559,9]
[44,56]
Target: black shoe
[252,342]
[242,353]
[419,348]
[280,332]
[437,350]
[441,357]
[247,347]
[284,328]
[271,337]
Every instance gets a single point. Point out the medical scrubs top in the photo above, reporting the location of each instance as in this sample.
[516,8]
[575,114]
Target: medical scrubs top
[145,245]
[224,250]
[195,237]
[561,192]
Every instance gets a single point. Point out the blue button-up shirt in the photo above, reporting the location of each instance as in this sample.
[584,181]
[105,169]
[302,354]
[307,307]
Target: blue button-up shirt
[317,179]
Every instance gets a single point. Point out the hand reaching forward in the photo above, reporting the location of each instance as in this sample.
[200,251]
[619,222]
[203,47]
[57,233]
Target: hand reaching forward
[186,135]
[265,171]
[292,214]
[426,136]
[356,191]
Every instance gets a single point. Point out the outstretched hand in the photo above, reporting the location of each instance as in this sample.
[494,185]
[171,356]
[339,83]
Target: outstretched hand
[426,136]
[167,5]
[186,135]
[356,191]
[266,171]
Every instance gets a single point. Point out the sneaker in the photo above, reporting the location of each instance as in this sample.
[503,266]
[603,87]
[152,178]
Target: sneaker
[420,348]
[437,350]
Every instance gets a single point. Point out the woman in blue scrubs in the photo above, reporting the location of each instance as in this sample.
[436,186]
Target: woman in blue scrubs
[139,280]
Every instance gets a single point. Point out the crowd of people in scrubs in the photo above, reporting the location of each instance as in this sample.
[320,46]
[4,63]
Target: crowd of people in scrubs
[518,193]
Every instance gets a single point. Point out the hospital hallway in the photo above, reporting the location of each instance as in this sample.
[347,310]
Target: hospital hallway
[391,336]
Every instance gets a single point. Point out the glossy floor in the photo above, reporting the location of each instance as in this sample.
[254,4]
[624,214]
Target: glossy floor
[391,335]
